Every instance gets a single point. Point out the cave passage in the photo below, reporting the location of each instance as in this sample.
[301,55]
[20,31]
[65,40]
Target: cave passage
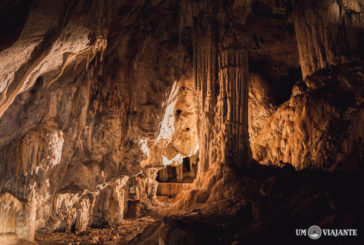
[182,173]
[176,179]
[169,122]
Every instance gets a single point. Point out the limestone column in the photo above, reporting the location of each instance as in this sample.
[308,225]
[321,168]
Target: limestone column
[179,172]
[221,84]
[233,99]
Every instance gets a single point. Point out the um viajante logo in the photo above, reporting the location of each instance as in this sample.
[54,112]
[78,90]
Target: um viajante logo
[314,232]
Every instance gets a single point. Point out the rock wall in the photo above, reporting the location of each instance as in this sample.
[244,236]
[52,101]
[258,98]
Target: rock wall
[97,96]
[315,129]
[311,129]
[84,103]
[261,104]
[78,97]
[17,217]
[328,32]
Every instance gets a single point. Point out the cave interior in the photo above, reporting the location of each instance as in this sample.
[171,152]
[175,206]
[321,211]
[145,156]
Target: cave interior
[168,122]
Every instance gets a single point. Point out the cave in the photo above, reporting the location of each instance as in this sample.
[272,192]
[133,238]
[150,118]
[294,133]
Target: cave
[181,122]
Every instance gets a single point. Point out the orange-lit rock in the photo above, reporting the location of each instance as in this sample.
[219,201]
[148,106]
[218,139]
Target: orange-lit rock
[17,219]
[328,32]
[320,126]
[261,105]
[116,114]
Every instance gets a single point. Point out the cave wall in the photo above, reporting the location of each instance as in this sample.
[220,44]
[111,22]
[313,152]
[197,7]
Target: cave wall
[86,96]
[77,100]
[318,127]
[328,32]
[97,96]
[314,128]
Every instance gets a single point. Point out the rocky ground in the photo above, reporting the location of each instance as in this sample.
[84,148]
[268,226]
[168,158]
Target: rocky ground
[120,234]
[271,203]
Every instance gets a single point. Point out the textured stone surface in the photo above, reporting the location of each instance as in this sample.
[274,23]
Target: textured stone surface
[316,129]
[328,32]
[69,124]
[97,97]
[16,217]
[220,70]
[233,99]
[173,189]
[261,104]
[312,197]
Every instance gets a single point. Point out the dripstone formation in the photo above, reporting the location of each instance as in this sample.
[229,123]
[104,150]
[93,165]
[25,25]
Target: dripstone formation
[109,108]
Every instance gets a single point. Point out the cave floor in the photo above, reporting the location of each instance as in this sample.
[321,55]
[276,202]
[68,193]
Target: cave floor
[274,202]
[128,229]
[121,234]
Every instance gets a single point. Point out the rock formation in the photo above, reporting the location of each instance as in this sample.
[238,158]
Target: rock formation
[310,130]
[313,128]
[327,32]
[110,108]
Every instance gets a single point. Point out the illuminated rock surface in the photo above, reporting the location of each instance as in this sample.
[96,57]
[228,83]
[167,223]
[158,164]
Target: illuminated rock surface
[320,126]
[148,122]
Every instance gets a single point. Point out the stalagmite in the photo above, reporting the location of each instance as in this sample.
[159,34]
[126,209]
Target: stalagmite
[179,170]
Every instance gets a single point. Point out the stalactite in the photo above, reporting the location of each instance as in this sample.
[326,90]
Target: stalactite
[90,52]
[205,75]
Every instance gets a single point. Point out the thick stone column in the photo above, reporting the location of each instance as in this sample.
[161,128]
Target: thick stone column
[233,99]
[327,32]
[221,84]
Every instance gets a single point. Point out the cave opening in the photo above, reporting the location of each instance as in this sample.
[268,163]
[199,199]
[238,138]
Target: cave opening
[175,179]
[182,173]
